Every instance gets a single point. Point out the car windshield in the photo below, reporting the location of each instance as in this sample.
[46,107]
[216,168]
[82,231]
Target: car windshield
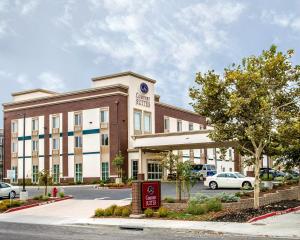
[239,175]
[212,167]
[197,167]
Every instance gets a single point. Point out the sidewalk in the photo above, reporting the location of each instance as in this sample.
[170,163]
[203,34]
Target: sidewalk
[286,226]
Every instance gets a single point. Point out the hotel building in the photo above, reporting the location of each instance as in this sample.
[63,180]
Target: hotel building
[76,135]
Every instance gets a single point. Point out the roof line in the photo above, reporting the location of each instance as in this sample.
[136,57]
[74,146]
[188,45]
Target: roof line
[121,74]
[32,91]
[178,108]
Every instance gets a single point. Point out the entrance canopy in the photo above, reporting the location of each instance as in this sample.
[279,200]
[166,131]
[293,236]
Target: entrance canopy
[177,141]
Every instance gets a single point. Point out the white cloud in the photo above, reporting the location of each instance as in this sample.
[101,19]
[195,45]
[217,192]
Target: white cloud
[3,28]
[51,81]
[24,82]
[27,7]
[67,17]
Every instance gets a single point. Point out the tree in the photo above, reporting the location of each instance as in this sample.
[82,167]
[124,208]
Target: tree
[249,102]
[169,161]
[45,179]
[118,162]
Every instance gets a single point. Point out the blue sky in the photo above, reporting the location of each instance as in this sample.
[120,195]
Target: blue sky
[60,45]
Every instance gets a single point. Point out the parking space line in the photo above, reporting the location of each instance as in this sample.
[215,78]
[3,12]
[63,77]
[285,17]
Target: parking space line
[103,198]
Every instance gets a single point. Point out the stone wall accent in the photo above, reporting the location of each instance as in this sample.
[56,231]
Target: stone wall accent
[280,195]
[136,198]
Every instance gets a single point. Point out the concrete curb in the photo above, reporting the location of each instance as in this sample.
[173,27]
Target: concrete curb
[273,214]
[37,204]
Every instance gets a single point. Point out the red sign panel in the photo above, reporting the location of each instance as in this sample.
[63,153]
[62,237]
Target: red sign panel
[151,194]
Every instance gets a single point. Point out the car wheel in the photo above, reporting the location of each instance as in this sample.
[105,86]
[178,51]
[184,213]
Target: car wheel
[246,185]
[12,195]
[213,185]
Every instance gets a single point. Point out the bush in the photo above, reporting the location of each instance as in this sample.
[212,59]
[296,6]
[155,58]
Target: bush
[279,179]
[61,194]
[214,205]
[3,207]
[126,212]
[99,212]
[49,195]
[118,211]
[242,193]
[265,177]
[197,208]
[227,197]
[169,199]
[45,198]
[108,212]
[199,198]
[163,212]
[37,197]
[149,212]
[264,189]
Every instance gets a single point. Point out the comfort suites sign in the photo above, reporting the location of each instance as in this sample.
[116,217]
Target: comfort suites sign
[151,194]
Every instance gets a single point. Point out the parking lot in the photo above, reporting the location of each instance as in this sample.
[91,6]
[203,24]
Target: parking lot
[91,192]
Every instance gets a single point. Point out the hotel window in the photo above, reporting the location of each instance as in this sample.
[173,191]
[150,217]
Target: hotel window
[35,124]
[104,139]
[230,154]
[104,171]
[35,173]
[56,173]
[78,173]
[15,178]
[200,127]
[77,119]
[55,143]
[55,122]
[167,124]
[78,141]
[147,122]
[138,121]
[104,116]
[179,126]
[154,171]
[35,145]
[14,147]
[14,127]
[134,169]
[191,126]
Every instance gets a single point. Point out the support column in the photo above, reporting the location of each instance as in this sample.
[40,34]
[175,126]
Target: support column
[136,198]
[141,174]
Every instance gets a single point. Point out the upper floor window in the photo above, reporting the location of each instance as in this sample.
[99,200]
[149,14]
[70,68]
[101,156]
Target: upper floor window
[104,116]
[179,126]
[167,124]
[35,145]
[14,147]
[14,127]
[55,122]
[35,124]
[147,122]
[55,143]
[104,139]
[191,126]
[138,121]
[77,119]
[78,141]
[230,153]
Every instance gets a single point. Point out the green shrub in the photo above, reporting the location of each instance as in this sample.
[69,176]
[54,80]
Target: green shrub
[99,212]
[227,197]
[169,199]
[3,207]
[61,194]
[49,195]
[118,211]
[279,179]
[199,198]
[248,188]
[263,189]
[163,212]
[45,198]
[265,177]
[126,212]
[108,212]
[197,208]
[149,212]
[214,205]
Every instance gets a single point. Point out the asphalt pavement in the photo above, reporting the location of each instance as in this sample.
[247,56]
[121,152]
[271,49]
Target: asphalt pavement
[17,231]
[91,192]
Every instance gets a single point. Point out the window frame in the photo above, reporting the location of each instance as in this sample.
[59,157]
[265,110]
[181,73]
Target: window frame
[54,122]
[78,141]
[79,119]
[78,172]
[35,145]
[140,113]
[102,139]
[179,126]
[34,124]
[166,126]
[56,173]
[58,143]
[105,171]
[105,115]
[14,126]
[148,114]
[191,124]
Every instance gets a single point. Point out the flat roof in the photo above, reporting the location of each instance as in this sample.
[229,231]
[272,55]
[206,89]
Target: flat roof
[33,91]
[121,74]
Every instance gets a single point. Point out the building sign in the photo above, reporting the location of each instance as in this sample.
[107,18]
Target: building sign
[151,194]
[142,100]
[144,88]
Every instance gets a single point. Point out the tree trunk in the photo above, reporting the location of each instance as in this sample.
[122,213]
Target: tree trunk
[299,186]
[256,182]
[178,189]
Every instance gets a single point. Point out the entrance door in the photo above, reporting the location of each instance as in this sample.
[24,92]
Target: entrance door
[134,169]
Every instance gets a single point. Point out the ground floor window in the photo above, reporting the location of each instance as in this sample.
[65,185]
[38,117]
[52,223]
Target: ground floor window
[15,179]
[134,169]
[154,170]
[35,174]
[78,172]
[56,173]
[105,171]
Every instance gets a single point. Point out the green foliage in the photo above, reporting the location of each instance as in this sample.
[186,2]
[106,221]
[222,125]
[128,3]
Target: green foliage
[149,212]
[45,179]
[197,208]
[41,198]
[61,194]
[227,197]
[199,198]
[126,212]
[6,204]
[170,161]
[265,177]
[99,212]
[3,207]
[118,162]
[108,212]
[118,211]
[49,194]
[214,205]
[169,199]
[243,193]
[279,179]
[162,212]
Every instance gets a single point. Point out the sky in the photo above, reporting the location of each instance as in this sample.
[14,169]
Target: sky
[61,44]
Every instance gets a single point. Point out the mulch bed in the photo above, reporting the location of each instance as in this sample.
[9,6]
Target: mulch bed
[246,214]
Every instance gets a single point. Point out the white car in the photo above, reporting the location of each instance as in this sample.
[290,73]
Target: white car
[229,180]
[8,191]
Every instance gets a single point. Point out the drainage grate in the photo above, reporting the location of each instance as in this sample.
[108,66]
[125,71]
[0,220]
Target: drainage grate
[132,228]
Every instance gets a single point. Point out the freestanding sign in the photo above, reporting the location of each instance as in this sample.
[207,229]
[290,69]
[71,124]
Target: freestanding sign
[151,194]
